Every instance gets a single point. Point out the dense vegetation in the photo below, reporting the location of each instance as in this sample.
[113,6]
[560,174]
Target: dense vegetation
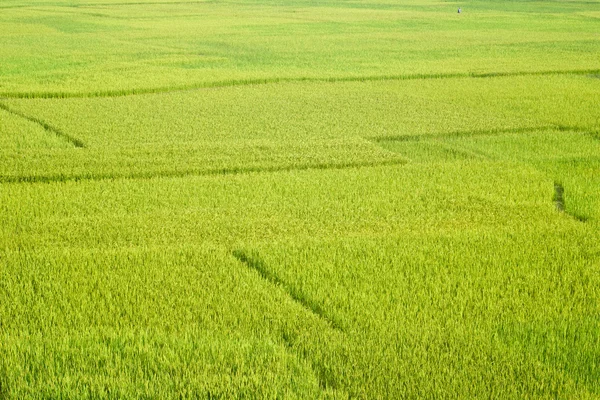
[299,199]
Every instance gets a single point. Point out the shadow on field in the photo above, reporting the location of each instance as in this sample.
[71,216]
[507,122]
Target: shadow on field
[3,382]
[559,201]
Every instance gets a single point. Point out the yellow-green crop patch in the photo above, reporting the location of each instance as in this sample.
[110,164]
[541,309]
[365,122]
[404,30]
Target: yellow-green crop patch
[299,199]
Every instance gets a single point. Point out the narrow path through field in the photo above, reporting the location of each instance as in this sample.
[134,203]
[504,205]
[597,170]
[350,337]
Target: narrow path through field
[483,132]
[311,306]
[254,263]
[264,81]
[74,141]
[65,177]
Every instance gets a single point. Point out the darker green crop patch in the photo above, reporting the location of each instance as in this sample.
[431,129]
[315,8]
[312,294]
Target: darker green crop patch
[4,389]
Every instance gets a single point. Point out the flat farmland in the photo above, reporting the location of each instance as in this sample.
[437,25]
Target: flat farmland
[299,199]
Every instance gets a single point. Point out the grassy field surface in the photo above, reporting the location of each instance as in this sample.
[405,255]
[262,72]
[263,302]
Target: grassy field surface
[299,199]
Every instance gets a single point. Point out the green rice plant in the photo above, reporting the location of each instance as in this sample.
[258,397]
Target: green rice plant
[462,315]
[292,199]
[295,125]
[440,280]
[61,48]
[155,322]
[570,157]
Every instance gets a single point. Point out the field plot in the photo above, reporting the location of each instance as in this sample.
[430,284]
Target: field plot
[270,199]
[89,48]
[295,125]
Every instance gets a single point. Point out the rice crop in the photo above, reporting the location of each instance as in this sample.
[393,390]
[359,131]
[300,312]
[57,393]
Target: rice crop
[55,48]
[294,126]
[292,199]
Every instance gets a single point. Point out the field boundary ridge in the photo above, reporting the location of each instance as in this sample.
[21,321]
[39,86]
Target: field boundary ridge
[266,81]
[66,177]
[256,264]
[324,376]
[483,132]
[47,127]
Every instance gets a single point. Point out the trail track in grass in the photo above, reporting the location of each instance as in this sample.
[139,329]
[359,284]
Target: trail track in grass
[482,132]
[255,263]
[72,140]
[268,81]
[180,174]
